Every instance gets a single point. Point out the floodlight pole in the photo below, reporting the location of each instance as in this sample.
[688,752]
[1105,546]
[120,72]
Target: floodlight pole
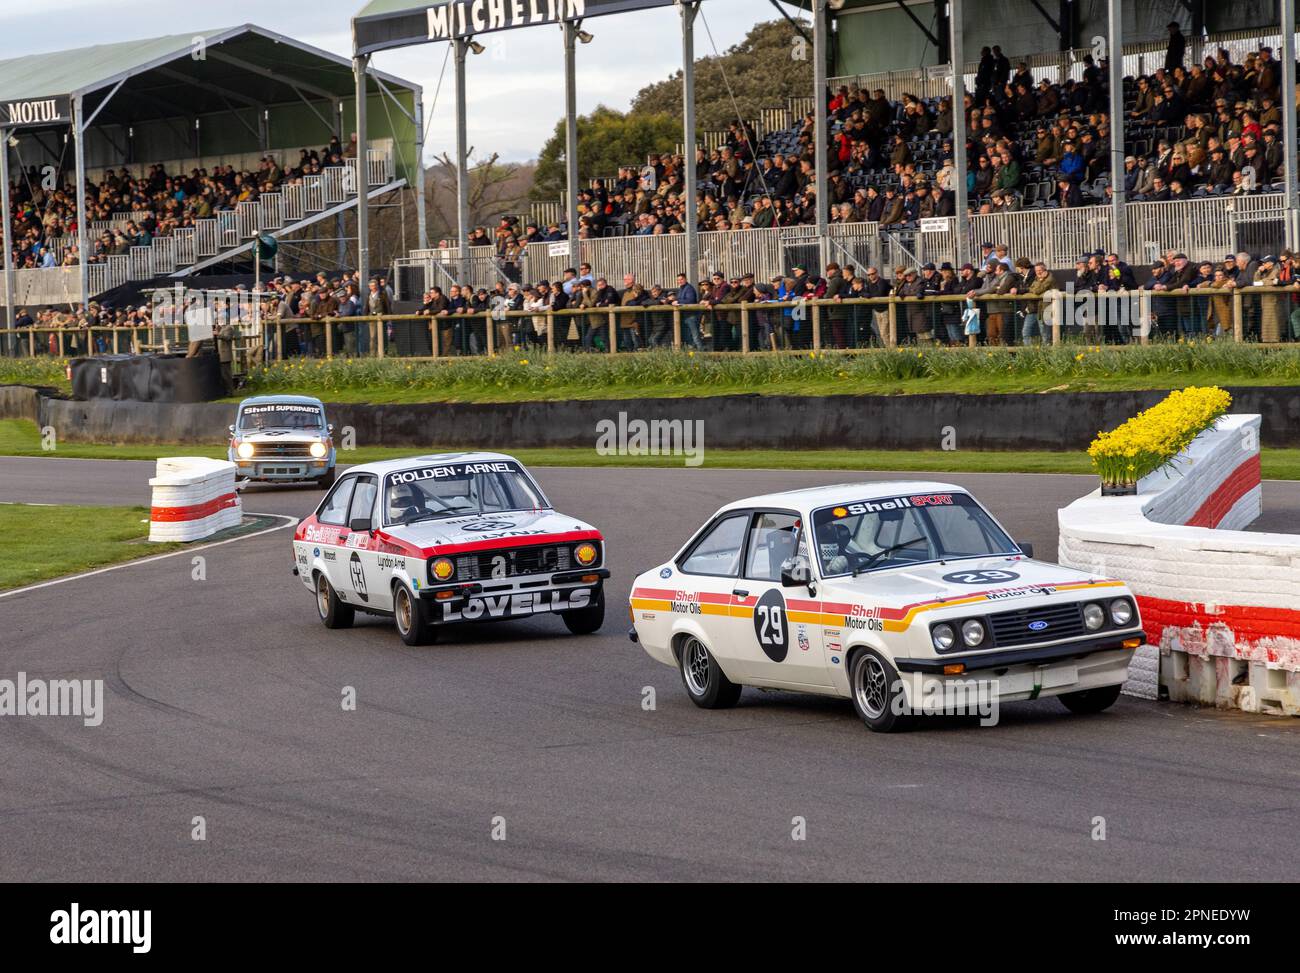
[421,222]
[1115,61]
[8,239]
[820,182]
[359,65]
[79,152]
[957,55]
[1289,122]
[570,29]
[692,268]
[459,48]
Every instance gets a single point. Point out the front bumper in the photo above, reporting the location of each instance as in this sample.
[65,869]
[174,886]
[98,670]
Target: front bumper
[476,602]
[282,469]
[1035,655]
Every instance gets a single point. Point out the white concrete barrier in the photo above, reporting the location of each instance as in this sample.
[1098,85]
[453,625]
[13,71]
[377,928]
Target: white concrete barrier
[1220,606]
[193,498]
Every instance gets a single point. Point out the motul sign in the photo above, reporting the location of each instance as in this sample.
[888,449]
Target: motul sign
[35,111]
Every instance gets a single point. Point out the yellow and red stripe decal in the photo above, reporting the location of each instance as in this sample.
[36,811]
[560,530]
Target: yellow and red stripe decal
[833,613]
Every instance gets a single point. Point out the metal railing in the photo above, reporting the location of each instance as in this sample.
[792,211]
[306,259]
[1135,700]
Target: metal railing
[1263,314]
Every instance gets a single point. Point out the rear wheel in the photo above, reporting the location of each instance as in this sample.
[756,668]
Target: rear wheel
[584,621]
[333,613]
[877,692]
[409,615]
[1090,700]
[703,678]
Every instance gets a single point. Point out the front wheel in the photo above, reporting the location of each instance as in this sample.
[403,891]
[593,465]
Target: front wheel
[409,615]
[1087,701]
[326,481]
[877,692]
[705,682]
[333,613]
[584,621]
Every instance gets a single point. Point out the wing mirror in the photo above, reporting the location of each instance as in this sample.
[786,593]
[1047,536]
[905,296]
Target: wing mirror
[329,427]
[1026,548]
[232,429]
[795,571]
[359,524]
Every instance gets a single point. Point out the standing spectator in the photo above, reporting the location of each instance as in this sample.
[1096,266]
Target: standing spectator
[1177,47]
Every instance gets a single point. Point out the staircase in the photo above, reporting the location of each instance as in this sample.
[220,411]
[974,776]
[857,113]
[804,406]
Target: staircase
[230,232]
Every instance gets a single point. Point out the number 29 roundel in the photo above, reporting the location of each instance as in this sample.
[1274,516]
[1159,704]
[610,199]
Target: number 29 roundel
[770,626]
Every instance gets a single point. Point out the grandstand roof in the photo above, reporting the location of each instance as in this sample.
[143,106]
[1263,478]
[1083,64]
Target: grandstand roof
[244,65]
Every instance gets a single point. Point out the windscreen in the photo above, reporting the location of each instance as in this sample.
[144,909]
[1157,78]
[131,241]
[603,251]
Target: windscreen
[255,418]
[888,532]
[456,489]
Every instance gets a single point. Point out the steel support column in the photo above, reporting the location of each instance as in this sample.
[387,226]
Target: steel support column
[461,46]
[1115,61]
[821,181]
[421,220]
[957,56]
[1289,123]
[570,29]
[8,239]
[79,154]
[359,66]
[692,268]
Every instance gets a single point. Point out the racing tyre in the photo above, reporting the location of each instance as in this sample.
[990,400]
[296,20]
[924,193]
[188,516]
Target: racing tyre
[877,692]
[584,621]
[332,611]
[408,613]
[326,481]
[1090,700]
[705,682]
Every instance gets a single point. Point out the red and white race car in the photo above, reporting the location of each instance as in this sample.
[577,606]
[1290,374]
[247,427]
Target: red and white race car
[446,538]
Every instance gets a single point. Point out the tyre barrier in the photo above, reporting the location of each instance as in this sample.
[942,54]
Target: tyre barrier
[1219,605]
[193,498]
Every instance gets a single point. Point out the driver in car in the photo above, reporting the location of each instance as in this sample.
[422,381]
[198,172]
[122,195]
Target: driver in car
[404,501]
[834,543]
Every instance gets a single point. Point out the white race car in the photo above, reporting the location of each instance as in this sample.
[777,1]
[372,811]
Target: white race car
[282,438]
[896,595]
[453,537]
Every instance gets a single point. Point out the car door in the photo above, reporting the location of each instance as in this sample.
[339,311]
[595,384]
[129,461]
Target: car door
[706,578]
[778,650]
[334,557]
[369,580]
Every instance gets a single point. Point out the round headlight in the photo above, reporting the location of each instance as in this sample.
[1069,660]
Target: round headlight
[443,569]
[245,450]
[318,449]
[1093,616]
[972,632]
[943,637]
[585,554]
[1121,611]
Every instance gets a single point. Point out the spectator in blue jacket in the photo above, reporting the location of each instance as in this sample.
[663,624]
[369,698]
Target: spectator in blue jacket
[686,294]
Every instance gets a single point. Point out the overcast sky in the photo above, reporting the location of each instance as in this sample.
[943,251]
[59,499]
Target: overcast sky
[515,88]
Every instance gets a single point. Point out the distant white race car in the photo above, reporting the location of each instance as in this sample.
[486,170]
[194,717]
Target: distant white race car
[453,537]
[891,594]
[282,438]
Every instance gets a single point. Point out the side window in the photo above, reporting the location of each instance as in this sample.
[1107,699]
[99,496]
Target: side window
[772,539]
[363,498]
[335,508]
[718,551]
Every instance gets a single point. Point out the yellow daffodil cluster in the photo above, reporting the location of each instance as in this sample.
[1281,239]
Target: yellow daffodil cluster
[1154,437]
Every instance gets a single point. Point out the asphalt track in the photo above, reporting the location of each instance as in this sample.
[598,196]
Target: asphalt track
[223,700]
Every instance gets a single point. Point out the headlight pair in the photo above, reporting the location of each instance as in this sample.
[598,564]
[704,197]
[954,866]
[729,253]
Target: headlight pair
[1120,611]
[944,636]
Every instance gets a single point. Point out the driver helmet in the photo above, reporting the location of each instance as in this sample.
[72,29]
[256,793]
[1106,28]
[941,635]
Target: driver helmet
[401,498]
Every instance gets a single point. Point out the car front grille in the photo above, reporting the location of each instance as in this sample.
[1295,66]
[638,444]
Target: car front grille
[280,450]
[514,562]
[1061,622]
